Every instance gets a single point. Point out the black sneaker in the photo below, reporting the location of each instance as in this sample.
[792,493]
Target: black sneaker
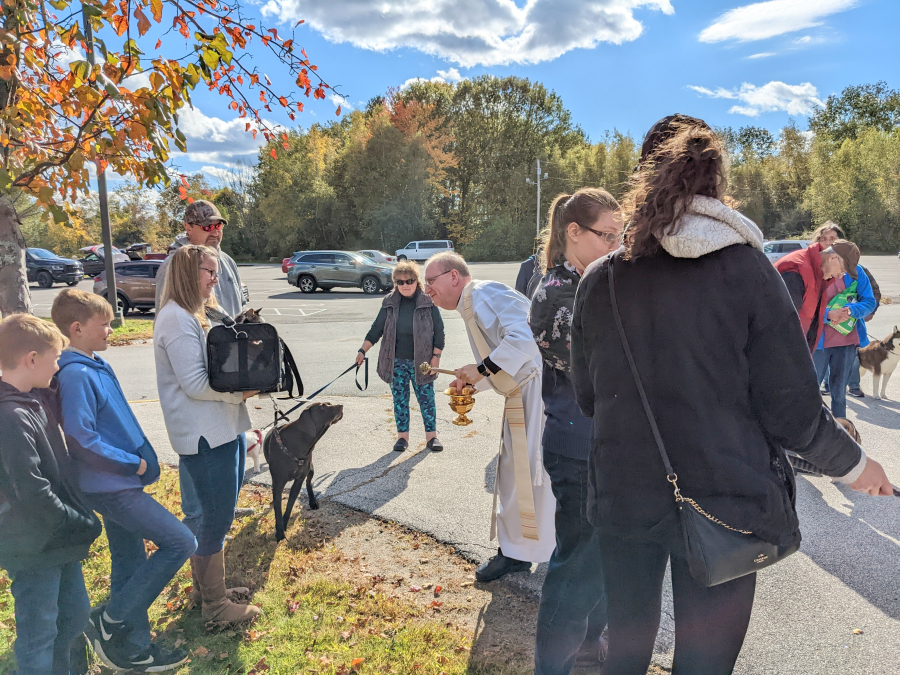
[155,659]
[108,640]
[434,445]
[401,445]
[857,392]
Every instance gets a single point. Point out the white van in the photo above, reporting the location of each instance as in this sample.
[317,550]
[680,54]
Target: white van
[423,250]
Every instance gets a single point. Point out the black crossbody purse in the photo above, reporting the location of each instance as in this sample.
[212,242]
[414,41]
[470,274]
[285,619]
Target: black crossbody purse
[715,552]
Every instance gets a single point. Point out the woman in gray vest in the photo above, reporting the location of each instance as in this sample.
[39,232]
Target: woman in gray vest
[413,334]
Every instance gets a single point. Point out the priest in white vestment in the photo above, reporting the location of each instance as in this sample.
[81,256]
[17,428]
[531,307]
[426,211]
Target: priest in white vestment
[507,361]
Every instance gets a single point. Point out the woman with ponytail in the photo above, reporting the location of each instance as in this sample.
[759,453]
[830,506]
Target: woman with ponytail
[718,348]
[583,227]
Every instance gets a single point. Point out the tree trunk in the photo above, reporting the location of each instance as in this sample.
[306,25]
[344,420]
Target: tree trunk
[14,294]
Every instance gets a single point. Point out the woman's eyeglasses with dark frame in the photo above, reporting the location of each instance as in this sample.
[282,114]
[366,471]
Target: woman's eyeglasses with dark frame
[404,282]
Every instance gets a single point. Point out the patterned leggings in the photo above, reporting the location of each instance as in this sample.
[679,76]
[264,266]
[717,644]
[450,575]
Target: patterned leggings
[405,374]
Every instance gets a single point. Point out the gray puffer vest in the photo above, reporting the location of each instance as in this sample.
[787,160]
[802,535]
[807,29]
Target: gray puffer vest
[423,336]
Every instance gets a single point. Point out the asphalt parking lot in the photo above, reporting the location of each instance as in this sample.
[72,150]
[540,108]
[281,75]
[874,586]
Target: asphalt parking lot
[844,579]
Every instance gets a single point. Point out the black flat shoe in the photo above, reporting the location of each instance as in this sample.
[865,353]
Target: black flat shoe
[401,445]
[856,392]
[434,445]
[500,566]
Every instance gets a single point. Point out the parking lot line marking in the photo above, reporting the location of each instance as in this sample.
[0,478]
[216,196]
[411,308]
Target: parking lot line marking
[276,311]
[144,400]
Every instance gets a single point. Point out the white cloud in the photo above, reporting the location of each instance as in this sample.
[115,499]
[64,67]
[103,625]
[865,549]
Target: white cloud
[216,172]
[217,141]
[763,20]
[795,99]
[761,55]
[337,99]
[451,75]
[472,32]
[137,81]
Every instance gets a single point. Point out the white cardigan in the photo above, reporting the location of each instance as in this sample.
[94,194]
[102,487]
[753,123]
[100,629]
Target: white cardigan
[191,409]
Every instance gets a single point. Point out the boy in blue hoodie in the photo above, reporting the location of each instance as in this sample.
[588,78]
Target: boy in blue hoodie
[46,529]
[113,462]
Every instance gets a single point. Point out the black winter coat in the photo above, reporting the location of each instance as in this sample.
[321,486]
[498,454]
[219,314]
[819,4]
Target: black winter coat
[730,382]
[43,520]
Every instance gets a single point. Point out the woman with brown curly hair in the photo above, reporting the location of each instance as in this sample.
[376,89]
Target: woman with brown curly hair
[727,375]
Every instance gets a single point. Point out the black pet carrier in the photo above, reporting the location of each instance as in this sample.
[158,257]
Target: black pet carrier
[249,357]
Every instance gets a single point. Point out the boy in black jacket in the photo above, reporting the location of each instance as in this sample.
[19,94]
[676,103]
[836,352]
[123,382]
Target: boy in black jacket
[45,530]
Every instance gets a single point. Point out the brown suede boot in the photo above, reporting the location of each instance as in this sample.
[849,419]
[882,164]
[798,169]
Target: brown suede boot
[230,593]
[210,572]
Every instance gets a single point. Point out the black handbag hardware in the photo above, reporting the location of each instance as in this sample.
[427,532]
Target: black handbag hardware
[715,552]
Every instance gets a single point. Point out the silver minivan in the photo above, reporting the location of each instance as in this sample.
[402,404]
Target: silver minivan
[776,250]
[423,250]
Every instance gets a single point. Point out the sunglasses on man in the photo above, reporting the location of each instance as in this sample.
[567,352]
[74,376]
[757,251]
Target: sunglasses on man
[209,227]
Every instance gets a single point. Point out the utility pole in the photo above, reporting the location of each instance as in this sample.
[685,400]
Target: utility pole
[108,261]
[538,230]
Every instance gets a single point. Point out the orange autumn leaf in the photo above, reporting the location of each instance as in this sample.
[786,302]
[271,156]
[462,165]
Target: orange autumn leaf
[143,22]
[356,663]
[338,111]
[273,153]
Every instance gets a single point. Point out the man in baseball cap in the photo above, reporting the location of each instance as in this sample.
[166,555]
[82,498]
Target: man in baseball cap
[849,299]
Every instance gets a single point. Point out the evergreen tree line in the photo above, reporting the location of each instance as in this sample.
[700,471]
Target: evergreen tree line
[458,161]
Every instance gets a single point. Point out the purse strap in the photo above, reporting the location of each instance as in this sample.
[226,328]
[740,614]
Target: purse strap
[671,476]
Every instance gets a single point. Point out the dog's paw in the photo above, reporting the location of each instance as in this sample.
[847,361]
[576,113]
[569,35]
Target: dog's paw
[314,504]
[279,536]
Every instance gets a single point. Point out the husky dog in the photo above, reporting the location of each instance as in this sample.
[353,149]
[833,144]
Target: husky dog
[881,359]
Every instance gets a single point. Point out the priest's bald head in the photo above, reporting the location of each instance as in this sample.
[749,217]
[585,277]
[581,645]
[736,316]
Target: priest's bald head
[446,275]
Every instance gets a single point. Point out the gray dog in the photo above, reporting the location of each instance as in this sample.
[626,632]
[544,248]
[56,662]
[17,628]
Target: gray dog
[290,459]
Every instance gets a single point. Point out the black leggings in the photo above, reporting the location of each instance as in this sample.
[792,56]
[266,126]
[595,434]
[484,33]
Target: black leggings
[710,623]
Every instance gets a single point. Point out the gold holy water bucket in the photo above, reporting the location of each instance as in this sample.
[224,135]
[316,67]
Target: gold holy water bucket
[460,402]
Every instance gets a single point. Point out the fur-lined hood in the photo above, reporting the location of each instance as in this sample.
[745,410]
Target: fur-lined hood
[708,225]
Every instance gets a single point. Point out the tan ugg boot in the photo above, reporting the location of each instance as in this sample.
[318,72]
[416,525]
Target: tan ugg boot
[210,572]
[197,598]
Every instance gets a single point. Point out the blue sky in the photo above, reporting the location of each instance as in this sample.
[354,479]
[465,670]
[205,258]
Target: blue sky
[616,63]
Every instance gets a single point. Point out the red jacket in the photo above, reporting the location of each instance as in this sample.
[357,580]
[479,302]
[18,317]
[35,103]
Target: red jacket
[807,263]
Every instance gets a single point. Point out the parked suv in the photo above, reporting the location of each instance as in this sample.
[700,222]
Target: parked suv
[331,269]
[776,250]
[93,261]
[135,285]
[423,250]
[45,267]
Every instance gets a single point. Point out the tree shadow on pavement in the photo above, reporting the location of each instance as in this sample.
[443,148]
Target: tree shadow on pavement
[858,547]
[504,635]
[877,412]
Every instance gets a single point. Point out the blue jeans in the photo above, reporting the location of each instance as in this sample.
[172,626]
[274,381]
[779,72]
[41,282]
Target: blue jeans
[839,360]
[573,599]
[853,380]
[190,502]
[217,474]
[404,375]
[52,609]
[136,580]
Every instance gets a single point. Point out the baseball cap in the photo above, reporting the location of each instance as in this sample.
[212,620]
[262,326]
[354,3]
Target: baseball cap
[202,212]
[849,252]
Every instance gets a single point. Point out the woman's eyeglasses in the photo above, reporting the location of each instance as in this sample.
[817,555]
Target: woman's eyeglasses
[609,237]
[209,227]
[404,282]
[213,274]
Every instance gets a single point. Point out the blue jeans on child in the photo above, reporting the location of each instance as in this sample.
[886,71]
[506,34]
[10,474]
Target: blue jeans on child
[190,502]
[404,375]
[839,360]
[136,580]
[217,474]
[573,598]
[52,609]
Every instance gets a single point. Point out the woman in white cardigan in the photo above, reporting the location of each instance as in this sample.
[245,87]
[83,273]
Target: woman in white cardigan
[204,426]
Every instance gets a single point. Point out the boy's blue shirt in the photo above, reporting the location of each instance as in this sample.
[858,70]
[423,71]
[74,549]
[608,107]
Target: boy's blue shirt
[103,435]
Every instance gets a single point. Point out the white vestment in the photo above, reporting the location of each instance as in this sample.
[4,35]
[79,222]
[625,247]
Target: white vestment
[502,316]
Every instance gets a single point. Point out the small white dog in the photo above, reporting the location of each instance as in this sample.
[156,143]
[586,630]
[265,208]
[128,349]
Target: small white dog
[254,449]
